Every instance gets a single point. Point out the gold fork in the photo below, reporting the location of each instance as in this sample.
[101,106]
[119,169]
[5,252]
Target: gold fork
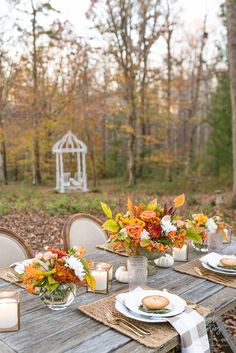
[203,273]
[141,330]
[118,321]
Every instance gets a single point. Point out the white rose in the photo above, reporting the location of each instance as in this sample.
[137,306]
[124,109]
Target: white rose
[145,235]
[211,225]
[167,226]
[76,265]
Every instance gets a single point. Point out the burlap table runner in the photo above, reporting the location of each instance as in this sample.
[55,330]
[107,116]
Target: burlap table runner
[3,275]
[188,268]
[161,333]
[108,248]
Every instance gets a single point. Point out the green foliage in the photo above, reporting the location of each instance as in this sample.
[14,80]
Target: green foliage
[111,225]
[106,210]
[4,207]
[193,235]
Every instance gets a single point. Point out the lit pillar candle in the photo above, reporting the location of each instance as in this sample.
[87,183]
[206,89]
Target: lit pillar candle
[106,266]
[8,314]
[180,254]
[101,279]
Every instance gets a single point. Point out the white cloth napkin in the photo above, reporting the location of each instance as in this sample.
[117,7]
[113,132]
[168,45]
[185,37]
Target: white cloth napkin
[212,255]
[190,326]
[20,266]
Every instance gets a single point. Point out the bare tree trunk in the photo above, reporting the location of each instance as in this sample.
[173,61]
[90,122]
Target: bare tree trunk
[36,151]
[86,117]
[195,98]
[169,71]
[3,154]
[231,26]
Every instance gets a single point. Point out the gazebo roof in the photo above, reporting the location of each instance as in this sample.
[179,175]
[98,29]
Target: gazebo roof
[69,143]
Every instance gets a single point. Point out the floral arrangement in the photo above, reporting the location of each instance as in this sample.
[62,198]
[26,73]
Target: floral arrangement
[203,224]
[47,271]
[154,227]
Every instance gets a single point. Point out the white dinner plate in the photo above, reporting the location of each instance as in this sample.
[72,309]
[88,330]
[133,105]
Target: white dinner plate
[215,262]
[208,267]
[123,310]
[176,304]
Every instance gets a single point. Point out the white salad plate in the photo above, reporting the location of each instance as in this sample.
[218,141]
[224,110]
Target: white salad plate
[214,262]
[133,300]
[128,313]
[208,267]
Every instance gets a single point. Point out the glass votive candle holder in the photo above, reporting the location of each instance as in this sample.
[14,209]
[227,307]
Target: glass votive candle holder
[214,241]
[101,276]
[181,254]
[226,235]
[9,310]
[137,271]
[106,265]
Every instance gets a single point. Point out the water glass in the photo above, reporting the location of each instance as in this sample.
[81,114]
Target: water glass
[137,271]
[214,241]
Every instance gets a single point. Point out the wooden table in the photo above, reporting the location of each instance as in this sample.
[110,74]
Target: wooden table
[70,331]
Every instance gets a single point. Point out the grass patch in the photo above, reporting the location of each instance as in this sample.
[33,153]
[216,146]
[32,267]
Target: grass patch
[30,199]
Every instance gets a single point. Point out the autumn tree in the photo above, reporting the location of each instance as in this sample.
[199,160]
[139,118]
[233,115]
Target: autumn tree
[132,29]
[231,26]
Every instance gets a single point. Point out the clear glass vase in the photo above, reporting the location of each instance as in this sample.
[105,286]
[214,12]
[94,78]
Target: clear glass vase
[60,298]
[202,247]
[151,256]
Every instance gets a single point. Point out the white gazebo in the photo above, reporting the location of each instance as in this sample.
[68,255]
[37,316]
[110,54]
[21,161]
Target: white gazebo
[64,180]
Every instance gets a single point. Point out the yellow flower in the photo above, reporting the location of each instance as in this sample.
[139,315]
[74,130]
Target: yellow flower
[137,221]
[201,218]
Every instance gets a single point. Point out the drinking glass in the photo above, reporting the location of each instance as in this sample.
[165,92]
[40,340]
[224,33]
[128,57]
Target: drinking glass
[137,271]
[214,241]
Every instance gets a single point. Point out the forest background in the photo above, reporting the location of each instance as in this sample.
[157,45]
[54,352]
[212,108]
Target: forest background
[150,99]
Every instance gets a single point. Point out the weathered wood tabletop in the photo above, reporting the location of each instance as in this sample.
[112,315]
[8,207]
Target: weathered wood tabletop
[70,331]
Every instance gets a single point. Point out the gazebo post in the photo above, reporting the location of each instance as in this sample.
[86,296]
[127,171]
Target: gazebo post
[62,187]
[57,172]
[85,188]
[78,167]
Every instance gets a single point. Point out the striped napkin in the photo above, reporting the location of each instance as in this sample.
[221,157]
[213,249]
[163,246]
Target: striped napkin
[190,325]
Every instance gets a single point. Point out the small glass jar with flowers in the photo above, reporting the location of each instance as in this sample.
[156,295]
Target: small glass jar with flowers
[210,230]
[54,275]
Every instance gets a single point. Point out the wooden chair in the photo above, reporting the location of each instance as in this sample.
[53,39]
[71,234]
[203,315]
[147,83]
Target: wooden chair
[85,230]
[12,248]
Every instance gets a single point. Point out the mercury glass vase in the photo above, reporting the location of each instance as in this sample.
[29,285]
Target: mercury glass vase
[60,298]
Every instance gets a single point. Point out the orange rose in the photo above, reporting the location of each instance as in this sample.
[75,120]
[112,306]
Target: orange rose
[147,216]
[134,230]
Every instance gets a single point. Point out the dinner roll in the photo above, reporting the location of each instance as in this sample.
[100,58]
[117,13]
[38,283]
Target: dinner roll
[228,262]
[153,302]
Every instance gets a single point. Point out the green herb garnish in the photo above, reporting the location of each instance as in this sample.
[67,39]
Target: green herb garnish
[227,268]
[153,311]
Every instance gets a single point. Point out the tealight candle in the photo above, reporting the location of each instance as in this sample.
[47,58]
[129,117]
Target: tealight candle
[226,236]
[180,254]
[9,310]
[101,277]
[106,266]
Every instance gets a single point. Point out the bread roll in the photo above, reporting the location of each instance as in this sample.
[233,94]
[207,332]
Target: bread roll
[228,262]
[153,302]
